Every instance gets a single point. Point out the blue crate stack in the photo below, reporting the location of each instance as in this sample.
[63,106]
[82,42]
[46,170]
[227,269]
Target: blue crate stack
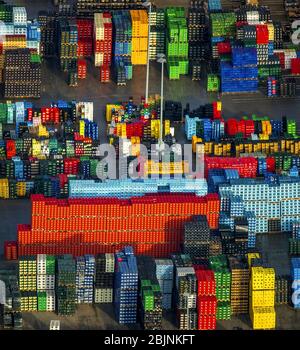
[190,126]
[242,74]
[18,168]
[165,277]
[295,275]
[126,286]
[262,166]
[91,129]
[85,271]
[236,206]
[131,188]
[214,5]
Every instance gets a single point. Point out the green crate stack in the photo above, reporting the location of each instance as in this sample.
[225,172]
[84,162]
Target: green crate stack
[35,58]
[27,273]
[70,149]
[219,265]
[177,45]
[42,301]
[3,113]
[50,265]
[294,247]
[6,13]
[213,83]
[66,285]
[292,127]
[229,24]
[217,25]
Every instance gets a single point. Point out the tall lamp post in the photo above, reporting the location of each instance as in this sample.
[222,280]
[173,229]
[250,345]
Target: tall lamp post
[148,4]
[162,60]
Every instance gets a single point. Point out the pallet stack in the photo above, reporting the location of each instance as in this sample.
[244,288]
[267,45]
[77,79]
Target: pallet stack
[104,278]
[68,49]
[150,295]
[185,292]
[165,277]
[46,282]
[66,285]
[22,74]
[28,283]
[103,44]
[139,20]
[262,298]
[197,237]
[239,284]
[157,33]
[177,43]
[48,25]
[126,286]
[219,266]
[207,301]
[85,271]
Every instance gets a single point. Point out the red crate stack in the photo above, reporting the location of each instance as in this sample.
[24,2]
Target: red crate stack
[281,56]
[50,115]
[271,164]
[246,166]
[217,110]
[103,225]
[206,301]
[10,149]
[85,37]
[103,44]
[82,69]
[295,66]
[262,34]
[10,250]
[224,48]
[71,166]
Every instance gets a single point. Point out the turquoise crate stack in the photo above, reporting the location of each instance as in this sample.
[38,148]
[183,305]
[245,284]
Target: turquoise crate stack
[85,272]
[132,188]
[204,128]
[126,286]
[165,277]
[214,5]
[269,199]
[295,276]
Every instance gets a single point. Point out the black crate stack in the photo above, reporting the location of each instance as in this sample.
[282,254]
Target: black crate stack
[197,237]
[173,111]
[104,279]
[150,296]
[157,33]
[278,36]
[185,292]
[235,241]
[282,290]
[288,87]
[68,38]
[22,75]
[198,36]
[48,25]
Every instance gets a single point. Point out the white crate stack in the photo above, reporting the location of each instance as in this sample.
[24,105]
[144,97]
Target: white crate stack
[85,110]
[105,268]
[54,325]
[99,35]
[165,277]
[19,16]
[46,281]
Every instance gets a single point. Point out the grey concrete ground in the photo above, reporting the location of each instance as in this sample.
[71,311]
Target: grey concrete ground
[55,87]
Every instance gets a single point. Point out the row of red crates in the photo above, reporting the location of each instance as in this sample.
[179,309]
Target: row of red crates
[85,28]
[158,250]
[85,47]
[82,69]
[207,305]
[295,66]
[246,166]
[105,73]
[206,282]
[206,323]
[245,127]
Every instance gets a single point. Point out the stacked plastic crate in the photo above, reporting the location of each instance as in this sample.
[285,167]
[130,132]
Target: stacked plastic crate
[207,301]
[219,266]
[157,33]
[185,292]
[66,285]
[294,241]
[85,37]
[295,281]
[104,278]
[165,277]
[22,74]
[262,298]
[122,48]
[85,271]
[239,269]
[177,43]
[197,237]
[46,282]
[198,36]
[282,289]
[28,283]
[48,30]
[126,286]
[103,44]
[150,295]
[68,49]
[140,26]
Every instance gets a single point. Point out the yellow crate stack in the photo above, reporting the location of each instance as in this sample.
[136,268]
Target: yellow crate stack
[4,188]
[42,131]
[155,128]
[36,148]
[167,127]
[109,110]
[135,146]
[81,127]
[12,42]
[262,298]
[21,188]
[139,37]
